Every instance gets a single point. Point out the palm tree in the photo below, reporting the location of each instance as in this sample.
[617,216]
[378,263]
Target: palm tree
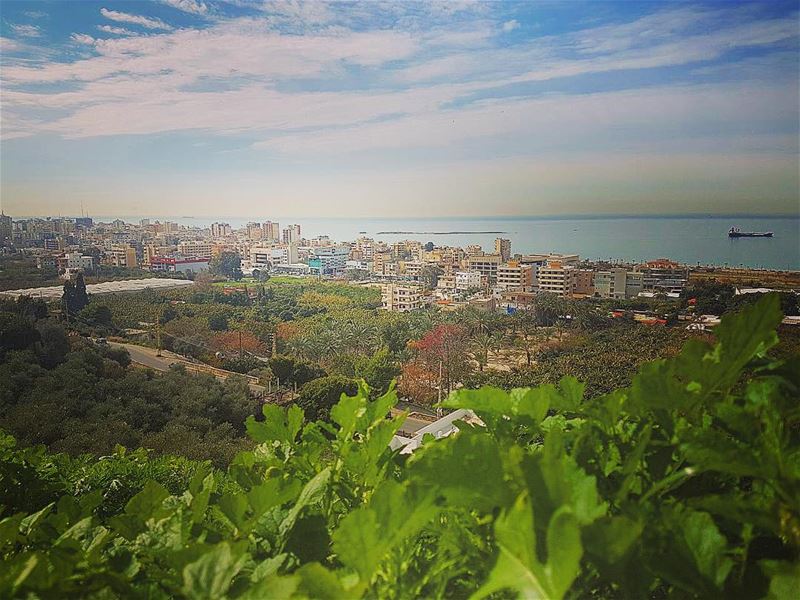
[477,321]
[483,343]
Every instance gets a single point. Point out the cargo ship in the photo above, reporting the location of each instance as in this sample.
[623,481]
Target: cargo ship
[735,232]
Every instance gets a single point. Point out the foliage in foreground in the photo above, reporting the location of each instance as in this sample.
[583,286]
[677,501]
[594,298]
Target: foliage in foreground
[685,484]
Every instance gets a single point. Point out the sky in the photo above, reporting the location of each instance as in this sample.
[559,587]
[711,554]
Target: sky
[399,109]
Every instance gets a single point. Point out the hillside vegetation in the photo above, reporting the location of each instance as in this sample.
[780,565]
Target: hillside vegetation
[684,484]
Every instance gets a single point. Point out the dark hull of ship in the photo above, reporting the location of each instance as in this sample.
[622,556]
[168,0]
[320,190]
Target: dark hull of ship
[739,234]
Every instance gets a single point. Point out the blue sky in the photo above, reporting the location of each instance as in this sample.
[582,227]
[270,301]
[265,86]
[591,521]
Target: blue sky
[237,108]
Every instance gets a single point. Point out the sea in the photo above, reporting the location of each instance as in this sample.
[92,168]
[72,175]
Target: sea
[692,240]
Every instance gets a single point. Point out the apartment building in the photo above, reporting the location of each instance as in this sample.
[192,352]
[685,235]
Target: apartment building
[556,278]
[198,248]
[584,282]
[381,259]
[121,256]
[502,247]
[401,298]
[617,283]
[329,260]
[254,231]
[75,261]
[219,230]
[412,268]
[513,276]
[291,234]
[663,274]
[485,264]
[271,231]
[468,280]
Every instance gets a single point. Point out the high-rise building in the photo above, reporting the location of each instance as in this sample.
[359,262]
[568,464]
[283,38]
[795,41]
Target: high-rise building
[144,222]
[617,283]
[254,231]
[6,229]
[271,231]
[291,234]
[502,247]
[219,230]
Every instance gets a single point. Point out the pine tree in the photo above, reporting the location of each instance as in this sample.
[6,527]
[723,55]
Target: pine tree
[81,297]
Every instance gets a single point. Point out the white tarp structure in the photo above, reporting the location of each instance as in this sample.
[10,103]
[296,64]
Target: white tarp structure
[438,429]
[108,287]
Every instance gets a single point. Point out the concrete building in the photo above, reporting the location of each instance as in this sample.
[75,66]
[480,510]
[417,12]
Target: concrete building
[502,247]
[411,268]
[513,276]
[291,234]
[75,261]
[122,256]
[198,248]
[329,260]
[468,280]
[167,264]
[617,283]
[254,232]
[271,231]
[663,274]
[485,264]
[381,259]
[401,298]
[6,229]
[584,283]
[556,278]
[219,230]
[46,262]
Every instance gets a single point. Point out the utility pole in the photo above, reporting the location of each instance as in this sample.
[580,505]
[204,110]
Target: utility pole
[241,352]
[158,333]
[438,407]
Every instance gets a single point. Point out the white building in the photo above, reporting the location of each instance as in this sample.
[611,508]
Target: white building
[76,261]
[329,259]
[268,256]
[467,280]
[291,234]
[617,283]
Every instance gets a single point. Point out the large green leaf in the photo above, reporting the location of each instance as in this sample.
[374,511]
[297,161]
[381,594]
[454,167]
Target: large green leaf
[210,576]
[518,566]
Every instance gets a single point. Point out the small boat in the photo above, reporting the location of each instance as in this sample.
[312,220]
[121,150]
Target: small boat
[735,232]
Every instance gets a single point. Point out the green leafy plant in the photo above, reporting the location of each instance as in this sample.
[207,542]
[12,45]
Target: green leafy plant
[685,484]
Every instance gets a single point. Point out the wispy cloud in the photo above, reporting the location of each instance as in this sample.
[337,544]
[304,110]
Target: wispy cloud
[82,38]
[386,83]
[148,22]
[115,30]
[189,6]
[22,30]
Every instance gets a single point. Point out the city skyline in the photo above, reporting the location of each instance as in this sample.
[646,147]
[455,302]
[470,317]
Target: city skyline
[394,110]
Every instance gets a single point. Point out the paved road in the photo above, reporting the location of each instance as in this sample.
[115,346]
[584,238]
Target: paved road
[148,357]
